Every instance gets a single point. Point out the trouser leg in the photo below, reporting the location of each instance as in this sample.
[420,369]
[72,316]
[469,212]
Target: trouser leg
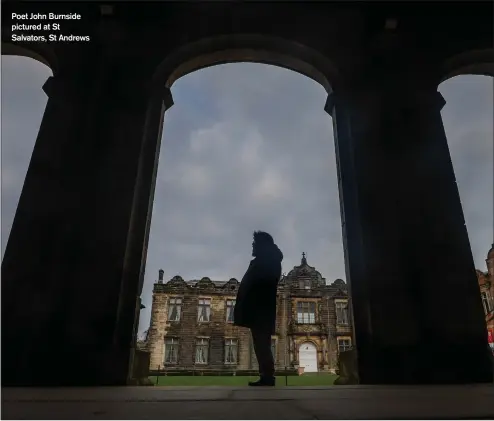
[262,347]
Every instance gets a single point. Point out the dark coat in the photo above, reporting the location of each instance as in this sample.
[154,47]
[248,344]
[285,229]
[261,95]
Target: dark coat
[256,298]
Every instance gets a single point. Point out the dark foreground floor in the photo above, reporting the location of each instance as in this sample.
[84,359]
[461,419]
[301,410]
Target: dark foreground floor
[342,402]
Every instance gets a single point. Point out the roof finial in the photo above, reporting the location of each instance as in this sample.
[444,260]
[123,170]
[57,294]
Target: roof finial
[304,260]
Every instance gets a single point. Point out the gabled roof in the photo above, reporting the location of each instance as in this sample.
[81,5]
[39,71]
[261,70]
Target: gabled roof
[305,270]
[203,283]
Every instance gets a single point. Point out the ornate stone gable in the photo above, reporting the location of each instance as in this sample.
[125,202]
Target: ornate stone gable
[304,275]
[205,284]
[231,286]
[175,284]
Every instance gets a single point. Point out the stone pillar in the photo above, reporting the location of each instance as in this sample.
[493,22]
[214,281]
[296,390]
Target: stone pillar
[145,126]
[157,330]
[36,279]
[73,268]
[283,346]
[417,312]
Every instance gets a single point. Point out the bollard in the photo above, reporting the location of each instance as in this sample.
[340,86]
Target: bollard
[158,375]
[286,377]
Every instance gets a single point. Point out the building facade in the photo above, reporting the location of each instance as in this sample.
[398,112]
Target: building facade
[192,324]
[486,284]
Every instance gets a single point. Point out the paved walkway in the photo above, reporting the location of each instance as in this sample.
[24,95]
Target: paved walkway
[224,403]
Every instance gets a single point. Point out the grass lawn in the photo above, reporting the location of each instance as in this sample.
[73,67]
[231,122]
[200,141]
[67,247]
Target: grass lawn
[304,380]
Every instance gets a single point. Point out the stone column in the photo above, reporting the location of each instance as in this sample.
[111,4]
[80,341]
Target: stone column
[79,253]
[417,311]
[36,279]
[141,208]
[157,330]
[283,337]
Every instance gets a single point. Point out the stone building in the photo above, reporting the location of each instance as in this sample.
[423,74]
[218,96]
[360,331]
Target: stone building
[192,324]
[486,284]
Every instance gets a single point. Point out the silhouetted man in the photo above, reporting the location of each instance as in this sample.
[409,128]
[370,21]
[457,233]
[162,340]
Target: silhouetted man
[255,307]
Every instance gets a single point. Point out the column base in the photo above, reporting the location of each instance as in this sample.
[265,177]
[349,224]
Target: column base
[427,364]
[61,367]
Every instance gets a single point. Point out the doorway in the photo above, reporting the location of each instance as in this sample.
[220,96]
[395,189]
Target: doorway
[308,357]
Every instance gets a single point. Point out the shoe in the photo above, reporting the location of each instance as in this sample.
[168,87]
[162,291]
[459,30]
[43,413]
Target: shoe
[263,381]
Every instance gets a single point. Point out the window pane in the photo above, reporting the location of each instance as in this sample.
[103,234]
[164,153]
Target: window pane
[344,345]
[229,311]
[341,313]
[174,307]
[202,351]
[231,351]
[203,310]
[306,312]
[171,350]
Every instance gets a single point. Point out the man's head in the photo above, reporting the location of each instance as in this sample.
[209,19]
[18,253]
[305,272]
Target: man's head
[261,240]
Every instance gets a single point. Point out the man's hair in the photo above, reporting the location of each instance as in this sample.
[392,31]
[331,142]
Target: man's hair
[261,237]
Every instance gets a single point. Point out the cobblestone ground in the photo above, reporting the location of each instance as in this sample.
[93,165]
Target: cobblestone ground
[342,402]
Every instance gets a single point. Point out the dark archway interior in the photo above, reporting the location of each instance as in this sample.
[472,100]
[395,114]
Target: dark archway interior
[105,112]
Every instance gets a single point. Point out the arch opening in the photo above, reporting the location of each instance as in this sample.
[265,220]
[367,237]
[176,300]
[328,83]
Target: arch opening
[238,154]
[467,118]
[23,105]
[246,48]
[478,62]
[37,52]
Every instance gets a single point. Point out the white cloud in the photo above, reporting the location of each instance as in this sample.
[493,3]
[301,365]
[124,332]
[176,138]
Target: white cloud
[271,186]
[205,142]
[196,179]
[251,149]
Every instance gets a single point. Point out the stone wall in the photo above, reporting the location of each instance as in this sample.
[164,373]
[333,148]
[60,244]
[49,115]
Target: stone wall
[486,286]
[303,283]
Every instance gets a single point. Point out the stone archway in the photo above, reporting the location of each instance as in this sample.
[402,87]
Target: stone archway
[37,51]
[473,62]
[98,157]
[246,48]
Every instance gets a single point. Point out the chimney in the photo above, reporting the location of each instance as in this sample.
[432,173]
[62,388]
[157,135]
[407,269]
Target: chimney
[161,272]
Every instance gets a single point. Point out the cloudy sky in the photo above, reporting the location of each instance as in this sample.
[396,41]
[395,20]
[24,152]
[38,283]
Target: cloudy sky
[246,147]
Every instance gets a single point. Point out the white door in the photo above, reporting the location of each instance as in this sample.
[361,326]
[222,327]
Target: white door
[307,356]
